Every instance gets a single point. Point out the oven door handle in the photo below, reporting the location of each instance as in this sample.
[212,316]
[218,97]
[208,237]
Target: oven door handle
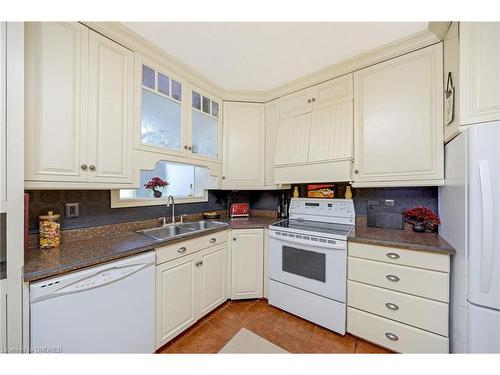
[339,245]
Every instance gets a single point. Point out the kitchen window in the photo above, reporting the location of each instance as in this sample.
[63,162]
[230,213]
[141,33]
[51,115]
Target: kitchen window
[187,183]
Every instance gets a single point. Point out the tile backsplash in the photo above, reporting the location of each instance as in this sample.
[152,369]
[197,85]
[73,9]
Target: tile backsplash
[95,205]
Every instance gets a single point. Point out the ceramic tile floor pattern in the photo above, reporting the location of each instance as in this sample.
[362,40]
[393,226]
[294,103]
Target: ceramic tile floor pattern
[288,331]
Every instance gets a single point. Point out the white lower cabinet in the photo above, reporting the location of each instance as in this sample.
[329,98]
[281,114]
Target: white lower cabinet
[247,263]
[398,298]
[189,286]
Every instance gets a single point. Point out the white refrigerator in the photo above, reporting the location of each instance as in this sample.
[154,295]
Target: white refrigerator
[469,207]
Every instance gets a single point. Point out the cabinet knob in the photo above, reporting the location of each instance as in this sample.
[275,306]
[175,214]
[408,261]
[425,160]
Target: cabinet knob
[190,148]
[213,240]
[309,100]
[392,256]
[391,336]
[84,167]
[234,238]
[185,147]
[356,171]
[313,99]
[223,177]
[392,278]
[392,306]
[92,167]
[182,250]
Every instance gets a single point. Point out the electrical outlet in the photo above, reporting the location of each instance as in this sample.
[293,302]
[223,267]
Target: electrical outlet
[389,202]
[72,210]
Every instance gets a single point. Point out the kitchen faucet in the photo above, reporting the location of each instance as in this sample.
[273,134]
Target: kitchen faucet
[170,201]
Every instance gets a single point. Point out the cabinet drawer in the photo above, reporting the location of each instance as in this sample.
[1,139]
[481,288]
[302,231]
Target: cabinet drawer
[392,335]
[423,283]
[412,258]
[416,311]
[179,249]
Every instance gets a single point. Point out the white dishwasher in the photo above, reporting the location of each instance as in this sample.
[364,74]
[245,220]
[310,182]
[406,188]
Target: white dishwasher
[103,309]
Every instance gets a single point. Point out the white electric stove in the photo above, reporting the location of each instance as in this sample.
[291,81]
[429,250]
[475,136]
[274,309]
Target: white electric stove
[308,260]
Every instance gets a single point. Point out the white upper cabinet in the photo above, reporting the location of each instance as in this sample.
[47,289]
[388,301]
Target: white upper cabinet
[56,76]
[296,103]
[205,130]
[159,111]
[451,66]
[319,136]
[479,72]
[244,143]
[398,121]
[272,121]
[110,119]
[79,100]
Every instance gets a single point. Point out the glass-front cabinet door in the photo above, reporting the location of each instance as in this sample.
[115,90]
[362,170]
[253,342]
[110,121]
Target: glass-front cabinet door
[205,125]
[161,119]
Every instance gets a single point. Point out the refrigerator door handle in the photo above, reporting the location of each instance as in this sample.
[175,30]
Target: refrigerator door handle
[486,272]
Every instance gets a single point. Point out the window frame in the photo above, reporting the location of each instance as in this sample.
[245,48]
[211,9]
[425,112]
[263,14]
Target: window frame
[117,202]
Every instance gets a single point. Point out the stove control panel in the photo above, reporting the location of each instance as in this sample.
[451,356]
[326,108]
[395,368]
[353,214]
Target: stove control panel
[323,209]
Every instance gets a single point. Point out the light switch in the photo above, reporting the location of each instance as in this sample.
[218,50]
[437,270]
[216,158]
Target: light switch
[72,210]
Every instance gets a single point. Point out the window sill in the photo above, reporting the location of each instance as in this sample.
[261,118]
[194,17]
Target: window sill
[116,202]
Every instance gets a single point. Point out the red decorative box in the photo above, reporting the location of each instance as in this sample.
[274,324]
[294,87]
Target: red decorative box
[239,210]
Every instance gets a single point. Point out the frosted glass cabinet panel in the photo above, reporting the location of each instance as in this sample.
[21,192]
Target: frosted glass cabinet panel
[160,121]
[205,126]
[161,111]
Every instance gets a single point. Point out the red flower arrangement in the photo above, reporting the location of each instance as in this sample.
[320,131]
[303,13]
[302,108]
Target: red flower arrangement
[154,183]
[423,215]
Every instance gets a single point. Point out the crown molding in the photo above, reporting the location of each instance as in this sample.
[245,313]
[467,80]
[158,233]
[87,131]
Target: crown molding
[135,42]
[388,51]
[439,28]
[130,39]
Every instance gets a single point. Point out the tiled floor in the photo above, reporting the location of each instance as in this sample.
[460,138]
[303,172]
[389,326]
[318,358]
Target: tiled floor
[293,334]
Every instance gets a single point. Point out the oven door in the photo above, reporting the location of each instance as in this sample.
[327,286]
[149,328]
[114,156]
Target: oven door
[313,267]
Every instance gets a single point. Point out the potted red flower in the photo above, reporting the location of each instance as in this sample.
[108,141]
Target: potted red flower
[422,218]
[154,184]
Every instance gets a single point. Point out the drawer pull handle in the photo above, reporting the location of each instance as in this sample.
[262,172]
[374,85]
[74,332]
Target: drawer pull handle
[392,278]
[392,306]
[391,336]
[198,264]
[392,256]
[182,250]
[212,240]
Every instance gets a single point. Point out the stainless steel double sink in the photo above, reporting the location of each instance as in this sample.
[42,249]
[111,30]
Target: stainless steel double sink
[181,229]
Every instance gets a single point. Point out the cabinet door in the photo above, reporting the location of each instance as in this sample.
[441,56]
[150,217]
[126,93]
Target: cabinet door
[247,261]
[331,132]
[479,72]
[213,278]
[272,121]
[451,65]
[398,120]
[292,140]
[110,111]
[3,129]
[177,287]
[205,129]
[244,141]
[332,92]
[296,103]
[56,108]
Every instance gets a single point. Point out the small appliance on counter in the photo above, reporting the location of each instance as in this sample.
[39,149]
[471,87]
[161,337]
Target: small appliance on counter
[239,210]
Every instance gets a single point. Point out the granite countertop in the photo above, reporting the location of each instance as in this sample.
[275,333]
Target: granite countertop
[404,239]
[82,253]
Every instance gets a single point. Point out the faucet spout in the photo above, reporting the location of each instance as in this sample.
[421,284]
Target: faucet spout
[171,201]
